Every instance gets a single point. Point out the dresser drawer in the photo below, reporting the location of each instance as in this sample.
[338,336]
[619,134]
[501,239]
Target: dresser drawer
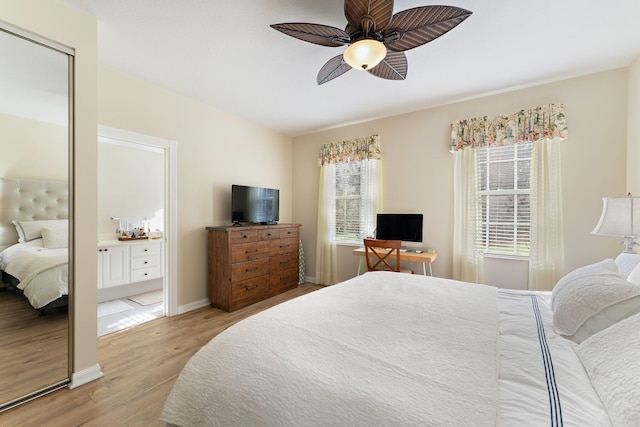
[284,279]
[243,236]
[268,234]
[284,261]
[244,270]
[289,233]
[283,246]
[248,291]
[145,261]
[145,274]
[248,251]
[140,249]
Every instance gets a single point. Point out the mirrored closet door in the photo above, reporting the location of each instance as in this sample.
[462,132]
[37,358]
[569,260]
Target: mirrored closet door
[35,222]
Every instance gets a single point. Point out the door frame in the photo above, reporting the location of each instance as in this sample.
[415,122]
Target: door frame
[170,254]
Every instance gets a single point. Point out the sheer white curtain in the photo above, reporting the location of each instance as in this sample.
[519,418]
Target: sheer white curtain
[546,258]
[326,254]
[371,190]
[467,260]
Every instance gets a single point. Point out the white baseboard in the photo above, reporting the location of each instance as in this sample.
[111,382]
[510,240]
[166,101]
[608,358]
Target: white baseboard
[85,376]
[309,279]
[192,306]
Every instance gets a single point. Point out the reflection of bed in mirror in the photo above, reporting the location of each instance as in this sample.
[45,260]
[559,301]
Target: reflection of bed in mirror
[34,240]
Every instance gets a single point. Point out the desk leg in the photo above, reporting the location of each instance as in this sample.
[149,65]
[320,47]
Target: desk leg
[359,265]
[424,269]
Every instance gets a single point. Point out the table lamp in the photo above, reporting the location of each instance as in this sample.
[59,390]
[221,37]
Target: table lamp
[620,217]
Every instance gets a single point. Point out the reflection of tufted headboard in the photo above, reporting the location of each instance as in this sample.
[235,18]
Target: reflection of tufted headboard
[29,199]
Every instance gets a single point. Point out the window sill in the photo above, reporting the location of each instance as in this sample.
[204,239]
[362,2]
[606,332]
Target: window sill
[349,244]
[506,256]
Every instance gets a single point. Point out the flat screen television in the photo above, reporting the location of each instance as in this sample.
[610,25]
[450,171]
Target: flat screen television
[254,204]
[405,227]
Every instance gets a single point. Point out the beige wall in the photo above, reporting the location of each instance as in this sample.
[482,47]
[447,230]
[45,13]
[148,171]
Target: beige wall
[64,25]
[130,184]
[418,166]
[215,149]
[633,129]
[33,149]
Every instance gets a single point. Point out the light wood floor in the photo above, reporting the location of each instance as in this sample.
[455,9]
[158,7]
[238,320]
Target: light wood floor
[140,366]
[33,348]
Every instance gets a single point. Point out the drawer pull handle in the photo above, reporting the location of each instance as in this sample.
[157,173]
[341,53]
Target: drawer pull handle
[250,269]
[251,251]
[248,288]
[284,246]
[244,236]
[146,262]
[146,274]
[146,250]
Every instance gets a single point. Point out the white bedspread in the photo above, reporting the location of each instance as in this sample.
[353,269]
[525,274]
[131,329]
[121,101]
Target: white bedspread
[43,273]
[379,349]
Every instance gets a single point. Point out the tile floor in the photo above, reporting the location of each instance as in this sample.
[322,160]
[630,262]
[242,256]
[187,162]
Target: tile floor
[123,313]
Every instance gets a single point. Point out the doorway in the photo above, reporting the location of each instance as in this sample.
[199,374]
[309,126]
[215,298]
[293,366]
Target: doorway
[144,169]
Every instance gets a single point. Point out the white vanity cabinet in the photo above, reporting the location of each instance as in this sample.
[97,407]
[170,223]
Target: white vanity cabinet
[123,263]
[113,266]
[145,261]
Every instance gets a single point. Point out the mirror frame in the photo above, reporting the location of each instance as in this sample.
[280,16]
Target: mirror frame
[70,53]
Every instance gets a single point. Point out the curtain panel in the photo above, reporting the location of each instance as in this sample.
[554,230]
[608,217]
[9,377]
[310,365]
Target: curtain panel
[535,124]
[352,150]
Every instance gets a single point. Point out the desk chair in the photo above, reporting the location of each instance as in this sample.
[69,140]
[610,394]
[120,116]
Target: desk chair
[380,253]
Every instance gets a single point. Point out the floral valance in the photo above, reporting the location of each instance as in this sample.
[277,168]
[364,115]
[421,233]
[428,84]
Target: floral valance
[353,150]
[547,121]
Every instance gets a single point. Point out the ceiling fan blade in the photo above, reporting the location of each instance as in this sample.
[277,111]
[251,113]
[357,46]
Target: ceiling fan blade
[415,27]
[380,11]
[323,35]
[393,67]
[335,67]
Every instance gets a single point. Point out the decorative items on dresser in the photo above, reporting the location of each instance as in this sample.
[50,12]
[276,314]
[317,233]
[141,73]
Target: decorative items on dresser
[250,263]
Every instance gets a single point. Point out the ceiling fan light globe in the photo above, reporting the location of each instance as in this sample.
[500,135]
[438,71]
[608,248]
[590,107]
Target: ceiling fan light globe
[365,54]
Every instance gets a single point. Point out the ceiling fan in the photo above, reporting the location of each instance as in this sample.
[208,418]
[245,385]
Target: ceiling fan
[376,38]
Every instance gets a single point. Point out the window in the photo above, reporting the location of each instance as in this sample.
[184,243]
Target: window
[503,188]
[354,207]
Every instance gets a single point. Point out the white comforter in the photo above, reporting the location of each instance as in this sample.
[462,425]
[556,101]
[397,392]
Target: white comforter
[370,351]
[390,349]
[43,273]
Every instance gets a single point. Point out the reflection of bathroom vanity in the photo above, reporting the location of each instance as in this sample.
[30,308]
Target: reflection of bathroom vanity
[128,268]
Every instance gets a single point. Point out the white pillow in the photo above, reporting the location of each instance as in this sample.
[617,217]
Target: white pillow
[55,237]
[592,298]
[634,276]
[626,263]
[611,360]
[29,230]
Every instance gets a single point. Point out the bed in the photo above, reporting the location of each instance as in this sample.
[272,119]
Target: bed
[398,349]
[34,236]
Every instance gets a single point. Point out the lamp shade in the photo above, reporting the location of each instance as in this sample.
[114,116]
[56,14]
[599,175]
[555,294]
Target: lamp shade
[620,217]
[365,54]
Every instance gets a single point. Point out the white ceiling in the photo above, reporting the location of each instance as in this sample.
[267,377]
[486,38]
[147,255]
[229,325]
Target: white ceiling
[225,54]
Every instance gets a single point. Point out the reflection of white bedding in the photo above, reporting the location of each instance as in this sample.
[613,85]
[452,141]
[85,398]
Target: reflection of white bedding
[389,349]
[43,273]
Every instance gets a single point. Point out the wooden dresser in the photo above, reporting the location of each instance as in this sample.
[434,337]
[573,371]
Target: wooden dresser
[250,263]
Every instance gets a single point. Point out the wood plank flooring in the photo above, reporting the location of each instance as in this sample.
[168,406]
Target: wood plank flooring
[140,366]
[33,349]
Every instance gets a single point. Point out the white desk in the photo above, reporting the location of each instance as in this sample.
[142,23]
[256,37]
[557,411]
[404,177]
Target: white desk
[408,255]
